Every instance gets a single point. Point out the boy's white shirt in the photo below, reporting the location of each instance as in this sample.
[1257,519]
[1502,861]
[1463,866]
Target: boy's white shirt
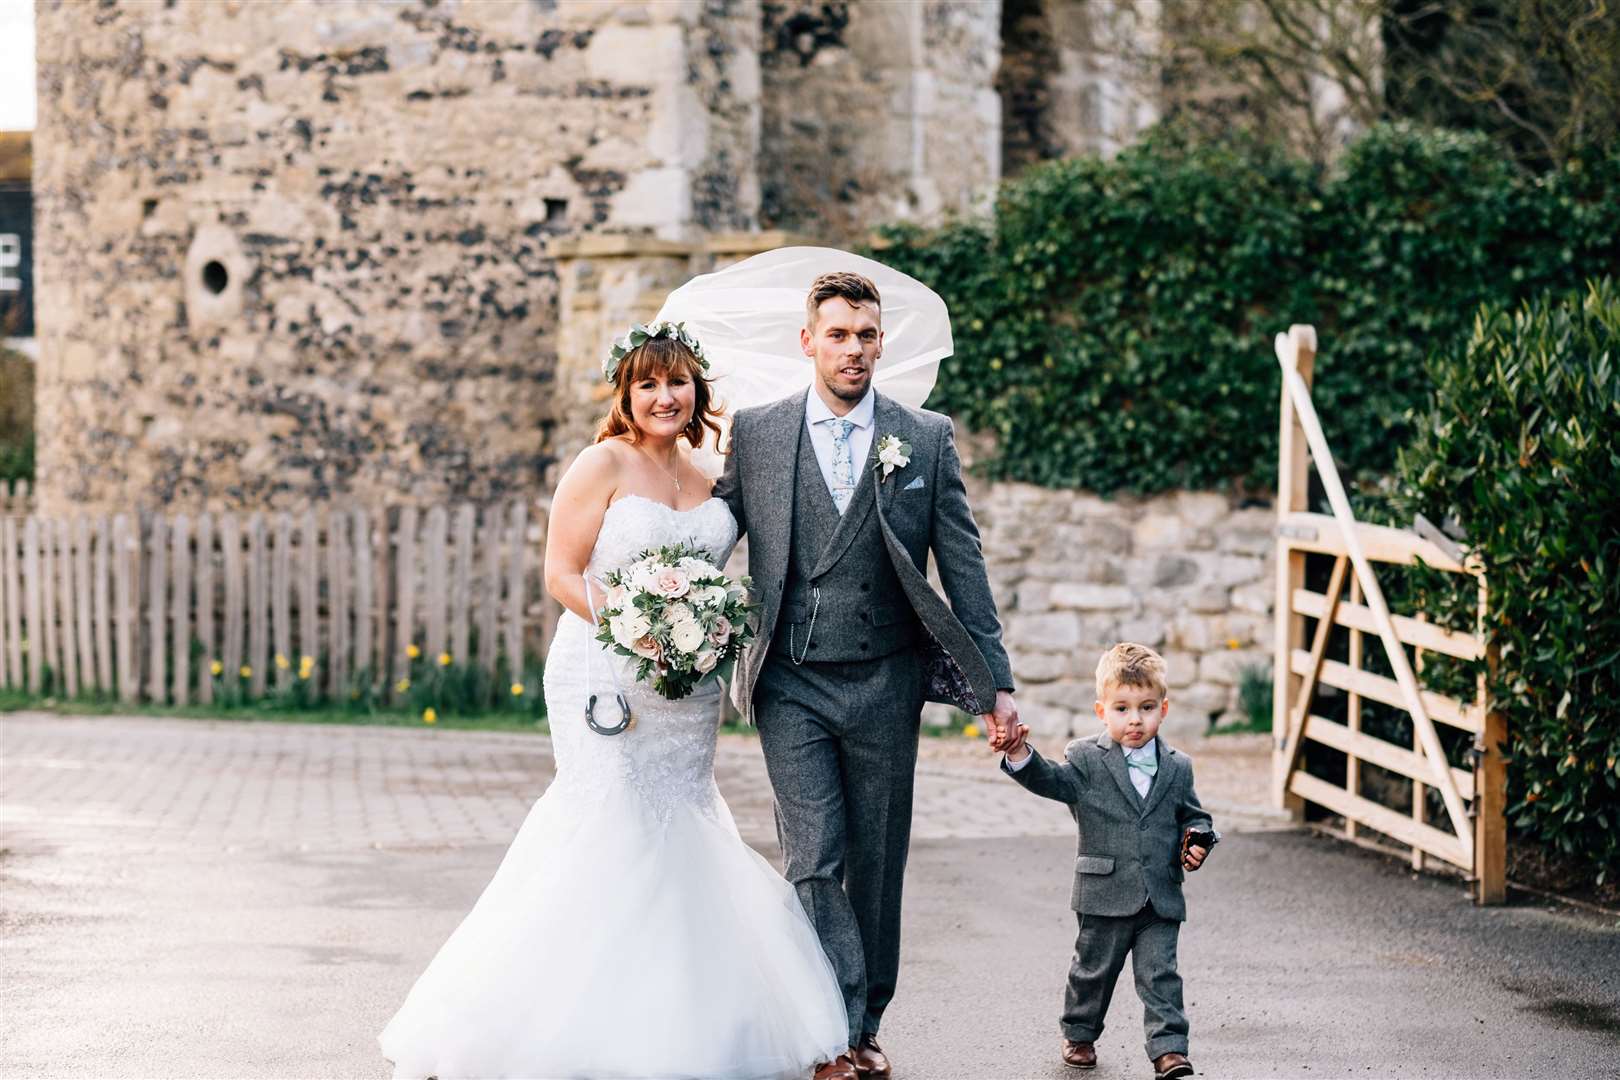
[1148,751]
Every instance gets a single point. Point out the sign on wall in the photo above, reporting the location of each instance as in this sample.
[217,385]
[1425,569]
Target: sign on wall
[16,262]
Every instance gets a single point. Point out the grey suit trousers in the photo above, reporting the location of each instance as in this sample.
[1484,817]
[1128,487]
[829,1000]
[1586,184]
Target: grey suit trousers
[1099,954]
[840,745]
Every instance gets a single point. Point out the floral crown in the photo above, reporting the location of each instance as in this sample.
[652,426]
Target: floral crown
[639,334]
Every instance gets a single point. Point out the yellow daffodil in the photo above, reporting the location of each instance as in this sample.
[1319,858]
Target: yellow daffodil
[517,689]
[217,668]
[412,651]
[281,662]
[403,685]
[971,731]
[1233,643]
[430,715]
[247,672]
[444,659]
[306,661]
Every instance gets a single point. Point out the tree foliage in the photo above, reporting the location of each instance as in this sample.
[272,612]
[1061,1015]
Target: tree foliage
[1541,78]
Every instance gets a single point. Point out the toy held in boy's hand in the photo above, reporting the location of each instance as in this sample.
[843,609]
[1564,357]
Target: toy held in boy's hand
[1202,838]
[679,615]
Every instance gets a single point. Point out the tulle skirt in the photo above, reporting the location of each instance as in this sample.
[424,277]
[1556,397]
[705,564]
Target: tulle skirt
[624,937]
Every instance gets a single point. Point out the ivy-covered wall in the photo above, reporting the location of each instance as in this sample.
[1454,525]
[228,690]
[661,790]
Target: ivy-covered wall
[1114,317]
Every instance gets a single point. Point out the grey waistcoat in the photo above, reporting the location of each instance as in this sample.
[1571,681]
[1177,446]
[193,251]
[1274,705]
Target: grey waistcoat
[863,613]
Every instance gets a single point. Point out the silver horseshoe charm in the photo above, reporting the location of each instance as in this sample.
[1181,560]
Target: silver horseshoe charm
[623,725]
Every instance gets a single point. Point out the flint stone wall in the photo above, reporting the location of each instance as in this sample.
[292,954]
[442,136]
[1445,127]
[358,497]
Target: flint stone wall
[293,252]
[1187,573]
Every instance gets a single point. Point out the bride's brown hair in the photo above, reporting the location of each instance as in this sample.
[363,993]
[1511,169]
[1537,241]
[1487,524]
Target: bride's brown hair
[660,356]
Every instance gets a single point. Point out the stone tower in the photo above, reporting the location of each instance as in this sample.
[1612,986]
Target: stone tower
[371,251]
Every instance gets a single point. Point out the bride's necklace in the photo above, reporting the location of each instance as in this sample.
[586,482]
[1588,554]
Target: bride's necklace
[676,480]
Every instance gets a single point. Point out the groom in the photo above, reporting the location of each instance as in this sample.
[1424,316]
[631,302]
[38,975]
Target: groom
[843,493]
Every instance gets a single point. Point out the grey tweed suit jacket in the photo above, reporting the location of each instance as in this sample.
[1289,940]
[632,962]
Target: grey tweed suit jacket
[1130,847]
[922,507]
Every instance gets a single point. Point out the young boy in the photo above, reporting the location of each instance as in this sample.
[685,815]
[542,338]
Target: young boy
[1140,827]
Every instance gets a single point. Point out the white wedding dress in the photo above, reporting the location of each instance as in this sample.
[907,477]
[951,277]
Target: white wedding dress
[629,932]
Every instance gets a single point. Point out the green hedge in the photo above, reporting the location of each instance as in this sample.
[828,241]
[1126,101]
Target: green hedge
[1113,319]
[1521,448]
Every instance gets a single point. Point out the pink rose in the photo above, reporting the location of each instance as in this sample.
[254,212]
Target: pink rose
[671,583]
[720,633]
[648,647]
[704,661]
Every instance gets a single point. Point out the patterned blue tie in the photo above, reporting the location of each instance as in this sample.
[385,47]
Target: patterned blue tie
[843,466]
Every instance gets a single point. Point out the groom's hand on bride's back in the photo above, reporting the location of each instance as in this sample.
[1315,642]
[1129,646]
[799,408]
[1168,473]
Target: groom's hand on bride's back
[1002,721]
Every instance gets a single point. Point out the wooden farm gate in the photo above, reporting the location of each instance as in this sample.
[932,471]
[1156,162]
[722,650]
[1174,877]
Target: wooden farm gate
[1473,833]
[145,605]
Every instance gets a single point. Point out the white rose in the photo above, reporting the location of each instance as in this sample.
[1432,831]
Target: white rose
[618,597]
[699,568]
[686,635]
[704,661]
[710,596]
[892,456]
[628,627]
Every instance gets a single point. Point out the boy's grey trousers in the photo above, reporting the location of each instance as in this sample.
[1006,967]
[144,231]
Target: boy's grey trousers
[1099,954]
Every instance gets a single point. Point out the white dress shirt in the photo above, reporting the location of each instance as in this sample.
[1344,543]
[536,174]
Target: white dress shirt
[818,415]
[1147,752]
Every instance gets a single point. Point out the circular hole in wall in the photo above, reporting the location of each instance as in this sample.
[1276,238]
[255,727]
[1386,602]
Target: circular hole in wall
[215,277]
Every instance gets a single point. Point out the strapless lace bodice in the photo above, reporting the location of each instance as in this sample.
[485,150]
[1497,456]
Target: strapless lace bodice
[668,757]
[633,524]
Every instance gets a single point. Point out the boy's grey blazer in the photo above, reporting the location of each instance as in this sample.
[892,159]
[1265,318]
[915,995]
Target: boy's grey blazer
[920,507]
[1130,847]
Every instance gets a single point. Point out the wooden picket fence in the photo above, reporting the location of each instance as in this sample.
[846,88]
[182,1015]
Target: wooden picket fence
[143,606]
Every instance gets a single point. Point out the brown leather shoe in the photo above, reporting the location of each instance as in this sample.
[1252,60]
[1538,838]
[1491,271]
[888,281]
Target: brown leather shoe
[1079,1055]
[1171,1066]
[841,1067]
[870,1062]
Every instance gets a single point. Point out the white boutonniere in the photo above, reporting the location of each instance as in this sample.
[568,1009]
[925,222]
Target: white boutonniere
[893,453]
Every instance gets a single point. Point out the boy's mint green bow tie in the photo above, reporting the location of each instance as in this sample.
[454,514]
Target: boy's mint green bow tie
[1147,765]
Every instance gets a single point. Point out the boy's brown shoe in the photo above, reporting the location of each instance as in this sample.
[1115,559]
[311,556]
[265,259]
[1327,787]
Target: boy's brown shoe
[1171,1066]
[1079,1055]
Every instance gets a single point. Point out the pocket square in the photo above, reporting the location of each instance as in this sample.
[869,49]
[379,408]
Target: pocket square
[915,485]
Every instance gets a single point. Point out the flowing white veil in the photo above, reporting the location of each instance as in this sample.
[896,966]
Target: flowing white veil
[747,316]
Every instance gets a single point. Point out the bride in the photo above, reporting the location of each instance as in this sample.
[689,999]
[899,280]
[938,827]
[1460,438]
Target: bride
[628,932]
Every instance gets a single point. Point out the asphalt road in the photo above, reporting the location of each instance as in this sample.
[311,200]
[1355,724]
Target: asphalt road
[138,939]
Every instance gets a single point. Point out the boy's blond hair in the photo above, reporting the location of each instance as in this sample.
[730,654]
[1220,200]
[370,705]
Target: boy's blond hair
[1129,664]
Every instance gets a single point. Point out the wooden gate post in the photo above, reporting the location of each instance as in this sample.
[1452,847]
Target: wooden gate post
[1490,781]
[1293,488]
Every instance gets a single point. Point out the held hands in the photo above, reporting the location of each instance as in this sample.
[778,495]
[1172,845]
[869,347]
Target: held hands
[1015,748]
[1001,722]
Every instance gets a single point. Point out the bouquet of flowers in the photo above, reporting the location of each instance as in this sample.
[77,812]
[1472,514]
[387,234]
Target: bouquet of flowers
[679,614]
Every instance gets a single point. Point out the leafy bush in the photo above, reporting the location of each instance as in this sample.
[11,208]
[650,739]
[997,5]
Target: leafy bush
[1114,318]
[1521,447]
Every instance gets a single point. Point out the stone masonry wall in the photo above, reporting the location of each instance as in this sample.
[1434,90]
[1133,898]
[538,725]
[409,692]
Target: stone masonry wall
[292,252]
[1186,573]
[877,112]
